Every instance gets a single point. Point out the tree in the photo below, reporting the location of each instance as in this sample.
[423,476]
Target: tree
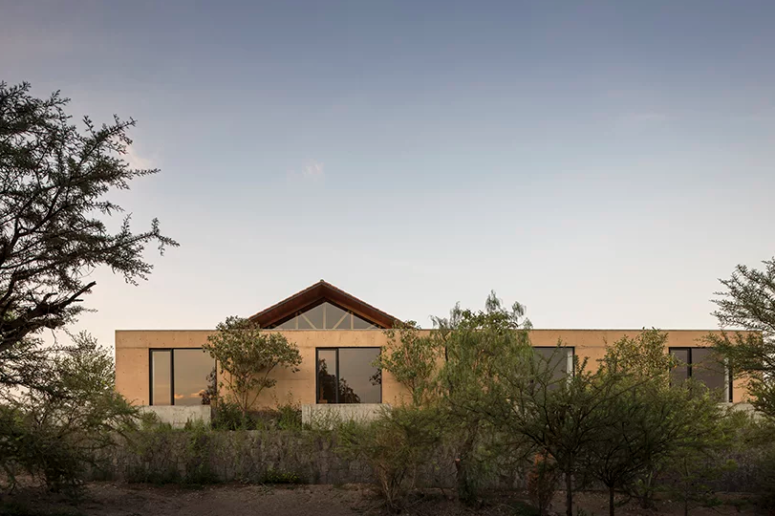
[395,446]
[56,433]
[748,302]
[54,179]
[643,357]
[652,430]
[473,344]
[413,360]
[248,355]
[645,429]
[448,370]
[561,416]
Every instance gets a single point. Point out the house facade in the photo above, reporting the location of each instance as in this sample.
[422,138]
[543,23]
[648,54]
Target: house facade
[339,336]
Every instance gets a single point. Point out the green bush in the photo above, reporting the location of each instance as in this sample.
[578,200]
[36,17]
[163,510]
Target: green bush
[272,476]
[228,416]
[57,430]
[394,446]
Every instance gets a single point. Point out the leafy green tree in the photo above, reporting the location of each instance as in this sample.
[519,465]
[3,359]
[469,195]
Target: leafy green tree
[646,430]
[748,302]
[643,357]
[54,182]
[414,361]
[448,370]
[700,460]
[246,357]
[395,446]
[562,416]
[57,433]
[651,428]
[473,344]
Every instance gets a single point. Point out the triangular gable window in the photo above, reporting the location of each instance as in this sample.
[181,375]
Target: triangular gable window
[326,316]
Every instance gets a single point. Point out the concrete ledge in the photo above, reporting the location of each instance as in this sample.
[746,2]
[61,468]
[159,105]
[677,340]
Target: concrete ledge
[178,416]
[327,415]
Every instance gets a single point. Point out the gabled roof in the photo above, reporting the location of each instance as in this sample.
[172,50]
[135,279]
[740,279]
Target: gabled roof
[314,295]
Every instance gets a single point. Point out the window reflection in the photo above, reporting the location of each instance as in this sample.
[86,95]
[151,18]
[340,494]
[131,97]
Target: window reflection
[680,373]
[189,372]
[161,377]
[192,370]
[557,359]
[346,375]
[327,376]
[702,365]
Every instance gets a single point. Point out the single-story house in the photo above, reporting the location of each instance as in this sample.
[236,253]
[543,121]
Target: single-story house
[339,336]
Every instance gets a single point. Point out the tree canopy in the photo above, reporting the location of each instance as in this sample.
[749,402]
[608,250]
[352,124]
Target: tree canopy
[54,183]
[748,302]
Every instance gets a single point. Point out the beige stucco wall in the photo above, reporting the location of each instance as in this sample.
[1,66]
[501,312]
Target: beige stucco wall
[132,356]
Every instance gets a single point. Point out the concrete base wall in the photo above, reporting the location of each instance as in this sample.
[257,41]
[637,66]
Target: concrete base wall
[178,416]
[327,415]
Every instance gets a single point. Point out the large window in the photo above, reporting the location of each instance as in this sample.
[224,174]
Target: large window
[346,375]
[326,316]
[702,365]
[181,376]
[559,359]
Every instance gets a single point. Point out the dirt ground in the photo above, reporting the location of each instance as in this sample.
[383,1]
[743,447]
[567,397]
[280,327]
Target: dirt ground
[107,499]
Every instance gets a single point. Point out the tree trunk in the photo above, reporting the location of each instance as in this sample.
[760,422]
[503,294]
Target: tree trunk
[568,492]
[611,509]
[465,484]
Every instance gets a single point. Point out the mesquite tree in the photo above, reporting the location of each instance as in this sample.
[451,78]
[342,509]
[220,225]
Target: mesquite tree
[748,302]
[54,183]
[246,356]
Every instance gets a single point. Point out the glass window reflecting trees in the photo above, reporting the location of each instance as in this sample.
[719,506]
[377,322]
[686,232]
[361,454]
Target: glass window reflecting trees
[181,376]
[702,365]
[346,375]
[558,359]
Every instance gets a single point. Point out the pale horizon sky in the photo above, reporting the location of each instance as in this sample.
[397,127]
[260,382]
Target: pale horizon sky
[603,163]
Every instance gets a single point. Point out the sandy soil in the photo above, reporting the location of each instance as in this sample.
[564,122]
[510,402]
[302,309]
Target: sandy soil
[107,499]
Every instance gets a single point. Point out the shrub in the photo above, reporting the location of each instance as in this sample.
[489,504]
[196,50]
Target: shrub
[394,446]
[289,416]
[55,431]
[542,482]
[280,477]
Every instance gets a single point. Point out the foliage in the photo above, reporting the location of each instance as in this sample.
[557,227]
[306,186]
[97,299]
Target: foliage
[651,429]
[54,433]
[394,446]
[542,482]
[748,302]
[560,415]
[473,344]
[228,416]
[53,183]
[413,360]
[280,477]
[643,357]
[756,437]
[249,355]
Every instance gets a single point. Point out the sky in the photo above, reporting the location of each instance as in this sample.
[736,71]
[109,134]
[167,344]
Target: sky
[602,163]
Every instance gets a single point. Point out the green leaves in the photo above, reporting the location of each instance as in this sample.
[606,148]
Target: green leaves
[53,233]
[748,303]
[247,355]
[54,429]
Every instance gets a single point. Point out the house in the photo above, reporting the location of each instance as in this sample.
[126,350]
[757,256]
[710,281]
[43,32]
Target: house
[339,336]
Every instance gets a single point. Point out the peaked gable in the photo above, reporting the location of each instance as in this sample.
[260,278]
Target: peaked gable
[319,294]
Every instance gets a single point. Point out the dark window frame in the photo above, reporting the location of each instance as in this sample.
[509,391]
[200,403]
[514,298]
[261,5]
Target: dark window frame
[172,372]
[690,363]
[572,355]
[317,372]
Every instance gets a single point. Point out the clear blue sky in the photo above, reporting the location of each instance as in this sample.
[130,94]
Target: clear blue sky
[601,162]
